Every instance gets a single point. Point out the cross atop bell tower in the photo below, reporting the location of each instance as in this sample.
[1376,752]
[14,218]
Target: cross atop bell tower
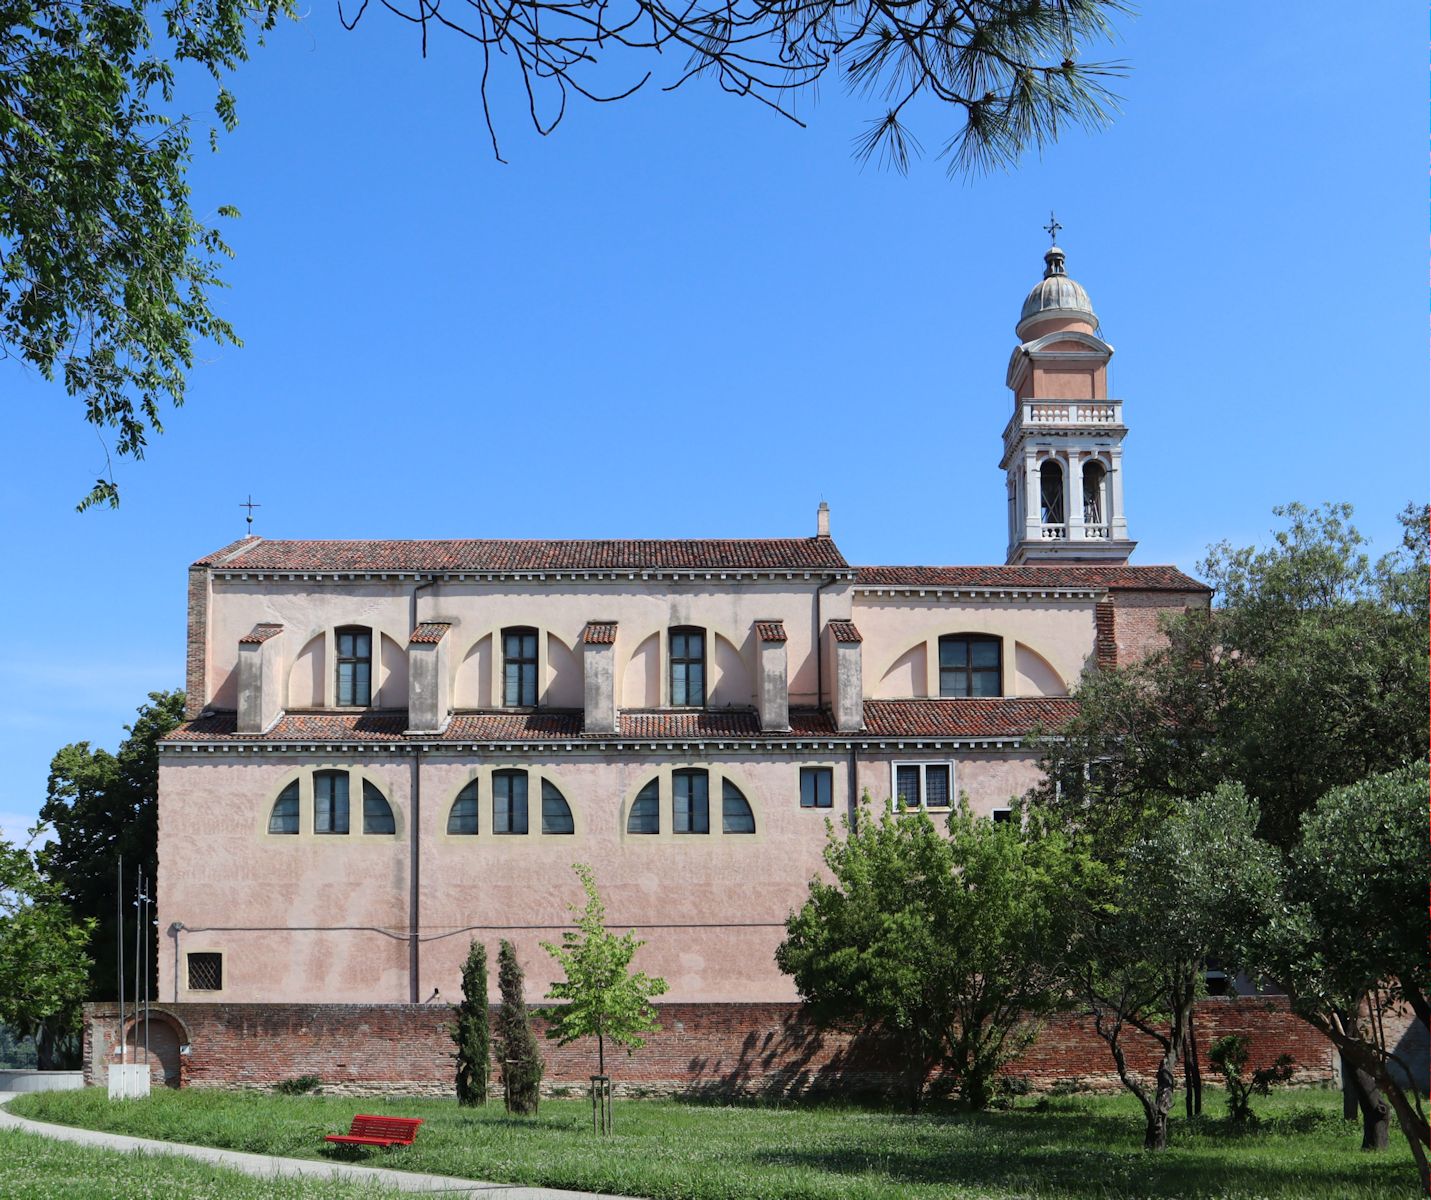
[1063,446]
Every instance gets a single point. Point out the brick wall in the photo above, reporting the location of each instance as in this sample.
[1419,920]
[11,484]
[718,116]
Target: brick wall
[701,1049]
[1137,616]
[196,656]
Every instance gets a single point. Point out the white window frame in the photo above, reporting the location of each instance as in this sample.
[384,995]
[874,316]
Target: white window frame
[994,814]
[923,765]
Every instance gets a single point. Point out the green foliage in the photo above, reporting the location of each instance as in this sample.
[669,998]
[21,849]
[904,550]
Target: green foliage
[603,997]
[107,271]
[16,1051]
[43,965]
[299,1085]
[469,1030]
[954,941]
[101,806]
[1229,1055]
[1311,674]
[522,1065]
[1078,1149]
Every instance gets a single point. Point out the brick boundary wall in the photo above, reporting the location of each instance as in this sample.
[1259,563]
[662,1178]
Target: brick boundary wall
[769,1050]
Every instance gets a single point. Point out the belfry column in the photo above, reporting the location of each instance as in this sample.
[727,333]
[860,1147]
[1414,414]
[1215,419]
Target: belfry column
[1033,502]
[1073,495]
[1118,525]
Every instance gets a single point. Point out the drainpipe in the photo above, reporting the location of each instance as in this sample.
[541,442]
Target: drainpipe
[414,879]
[854,801]
[412,601]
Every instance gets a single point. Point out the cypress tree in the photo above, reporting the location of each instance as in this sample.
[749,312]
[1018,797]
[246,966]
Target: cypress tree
[469,1031]
[522,1065]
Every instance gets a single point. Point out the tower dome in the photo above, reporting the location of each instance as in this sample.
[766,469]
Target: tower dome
[1056,296]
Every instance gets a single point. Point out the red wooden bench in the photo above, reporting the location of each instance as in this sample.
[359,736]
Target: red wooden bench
[368,1130]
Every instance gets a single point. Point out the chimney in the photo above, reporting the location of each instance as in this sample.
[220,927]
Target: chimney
[429,689]
[598,668]
[822,520]
[260,676]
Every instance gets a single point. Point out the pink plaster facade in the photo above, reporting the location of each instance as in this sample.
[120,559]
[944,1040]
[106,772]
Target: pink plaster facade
[810,667]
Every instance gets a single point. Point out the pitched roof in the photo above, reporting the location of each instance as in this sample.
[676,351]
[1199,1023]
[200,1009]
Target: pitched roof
[530,554]
[1039,576]
[599,633]
[770,631]
[260,633]
[844,631]
[1007,717]
[1002,717]
[430,632]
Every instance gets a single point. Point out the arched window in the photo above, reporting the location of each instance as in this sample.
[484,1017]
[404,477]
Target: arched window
[1050,490]
[1095,508]
[377,812]
[509,802]
[519,667]
[463,817]
[645,815]
[330,802]
[556,812]
[690,802]
[355,666]
[970,664]
[284,817]
[688,667]
[735,814]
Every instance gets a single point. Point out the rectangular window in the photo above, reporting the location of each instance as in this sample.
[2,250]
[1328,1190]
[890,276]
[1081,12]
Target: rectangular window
[519,668]
[1001,815]
[509,802]
[926,785]
[688,668]
[330,802]
[355,668]
[206,972]
[817,787]
[970,666]
[691,802]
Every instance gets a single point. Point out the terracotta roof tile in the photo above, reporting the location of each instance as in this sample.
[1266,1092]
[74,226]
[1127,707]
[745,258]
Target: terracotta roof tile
[260,633]
[599,633]
[429,633]
[218,556]
[1125,578]
[1006,716]
[532,554]
[770,631]
[844,631]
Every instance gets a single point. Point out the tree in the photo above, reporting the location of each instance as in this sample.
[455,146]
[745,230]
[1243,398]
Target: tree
[43,965]
[1180,893]
[470,1032]
[102,806]
[603,997]
[1229,1055]
[953,942]
[107,273]
[1011,73]
[1344,929]
[1309,675]
[522,1065]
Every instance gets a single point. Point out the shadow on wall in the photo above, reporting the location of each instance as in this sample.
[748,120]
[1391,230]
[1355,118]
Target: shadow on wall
[798,1060]
[1411,1062]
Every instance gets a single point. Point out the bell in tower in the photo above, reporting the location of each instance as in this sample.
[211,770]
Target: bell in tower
[1063,446]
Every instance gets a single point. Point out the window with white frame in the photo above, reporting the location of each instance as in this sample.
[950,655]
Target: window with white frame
[922,784]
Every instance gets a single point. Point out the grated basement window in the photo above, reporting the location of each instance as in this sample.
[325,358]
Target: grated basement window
[206,972]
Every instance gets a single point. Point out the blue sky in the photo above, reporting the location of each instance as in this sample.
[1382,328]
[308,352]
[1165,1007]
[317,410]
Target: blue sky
[682,316]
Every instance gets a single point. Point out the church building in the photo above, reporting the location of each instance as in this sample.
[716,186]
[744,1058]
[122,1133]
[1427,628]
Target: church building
[396,747]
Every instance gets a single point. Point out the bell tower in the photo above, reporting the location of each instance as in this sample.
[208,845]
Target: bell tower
[1063,446]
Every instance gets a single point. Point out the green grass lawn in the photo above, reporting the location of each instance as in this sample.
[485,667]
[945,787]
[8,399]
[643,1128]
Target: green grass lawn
[1077,1147]
[39,1168]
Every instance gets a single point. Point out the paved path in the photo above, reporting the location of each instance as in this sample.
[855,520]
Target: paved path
[265,1165]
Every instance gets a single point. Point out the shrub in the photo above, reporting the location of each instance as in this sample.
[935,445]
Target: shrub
[1229,1056]
[522,1065]
[469,1031]
[298,1086]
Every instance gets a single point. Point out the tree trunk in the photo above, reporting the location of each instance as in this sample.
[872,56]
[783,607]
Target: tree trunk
[1350,1109]
[1375,1112]
[1192,1072]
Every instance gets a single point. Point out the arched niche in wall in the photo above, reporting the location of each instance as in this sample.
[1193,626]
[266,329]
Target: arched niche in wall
[308,674]
[641,680]
[1034,675]
[564,680]
[908,675]
[732,683]
[391,691]
[472,687]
